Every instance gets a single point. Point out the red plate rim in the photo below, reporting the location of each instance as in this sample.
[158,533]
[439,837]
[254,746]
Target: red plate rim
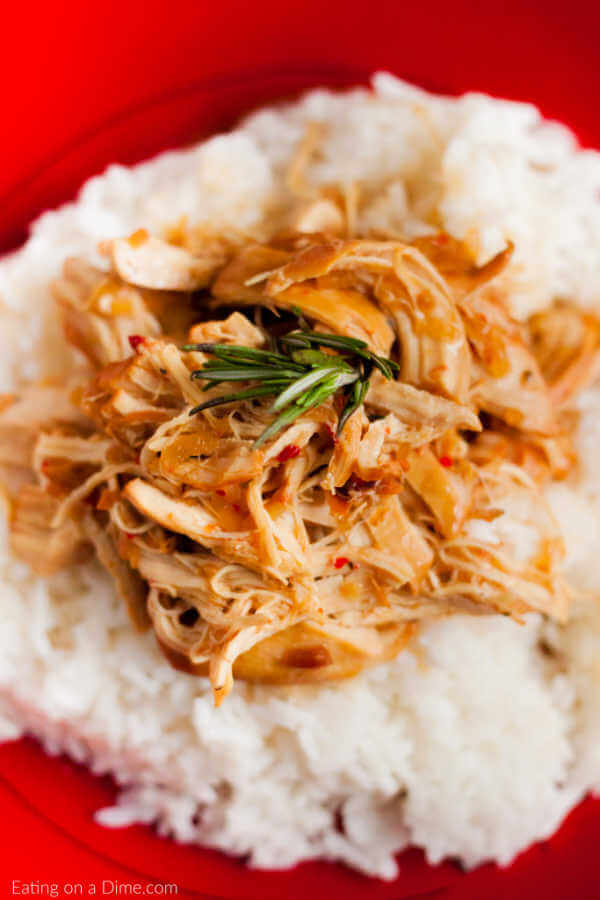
[56,181]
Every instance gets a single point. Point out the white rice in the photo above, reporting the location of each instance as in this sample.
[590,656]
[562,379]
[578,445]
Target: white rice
[475,748]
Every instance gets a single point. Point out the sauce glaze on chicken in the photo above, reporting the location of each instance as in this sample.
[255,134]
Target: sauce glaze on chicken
[314,555]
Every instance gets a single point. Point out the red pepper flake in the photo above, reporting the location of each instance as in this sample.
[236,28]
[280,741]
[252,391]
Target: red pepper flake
[129,535]
[289,452]
[237,507]
[135,340]
[441,239]
[446,461]
[220,492]
[340,562]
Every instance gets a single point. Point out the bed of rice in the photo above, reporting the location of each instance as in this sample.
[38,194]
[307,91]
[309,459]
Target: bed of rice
[473,747]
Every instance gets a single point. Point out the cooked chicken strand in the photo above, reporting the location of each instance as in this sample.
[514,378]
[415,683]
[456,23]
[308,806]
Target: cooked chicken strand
[318,550]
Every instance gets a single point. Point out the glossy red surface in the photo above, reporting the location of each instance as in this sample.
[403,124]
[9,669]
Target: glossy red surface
[85,84]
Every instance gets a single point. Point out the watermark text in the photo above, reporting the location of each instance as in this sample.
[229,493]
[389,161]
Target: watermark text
[106,888]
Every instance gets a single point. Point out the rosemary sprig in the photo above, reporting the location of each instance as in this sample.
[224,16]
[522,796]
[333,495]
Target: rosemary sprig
[297,373]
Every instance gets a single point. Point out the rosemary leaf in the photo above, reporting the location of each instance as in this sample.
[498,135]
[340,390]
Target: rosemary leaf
[285,418]
[301,386]
[250,394]
[355,399]
[295,371]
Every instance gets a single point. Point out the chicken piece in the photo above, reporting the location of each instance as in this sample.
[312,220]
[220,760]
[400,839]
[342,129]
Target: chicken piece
[487,578]
[315,260]
[176,515]
[345,452]
[78,450]
[302,654]
[435,353]
[394,533]
[290,655]
[542,458]
[129,585]
[376,451]
[345,311]
[508,382]
[280,531]
[455,262]
[99,312]
[235,329]
[159,564]
[385,566]
[434,350]
[242,280]
[150,262]
[193,520]
[211,453]
[128,400]
[420,409]
[196,455]
[566,344]
[36,542]
[447,493]
[382,450]
[342,311]
[508,557]
[37,407]
[144,402]
[558,451]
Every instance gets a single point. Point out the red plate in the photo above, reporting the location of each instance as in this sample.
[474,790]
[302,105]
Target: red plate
[86,84]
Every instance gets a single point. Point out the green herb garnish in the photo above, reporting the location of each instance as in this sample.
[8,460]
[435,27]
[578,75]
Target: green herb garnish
[297,372]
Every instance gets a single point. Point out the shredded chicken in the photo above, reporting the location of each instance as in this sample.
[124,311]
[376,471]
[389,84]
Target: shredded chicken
[509,383]
[406,286]
[566,344]
[99,312]
[246,281]
[150,262]
[33,539]
[316,553]
[23,417]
